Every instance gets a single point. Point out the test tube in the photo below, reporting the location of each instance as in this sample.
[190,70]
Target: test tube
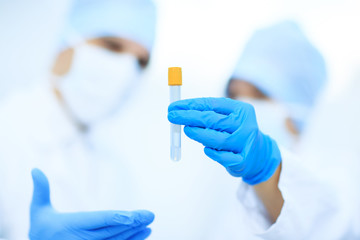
[175,82]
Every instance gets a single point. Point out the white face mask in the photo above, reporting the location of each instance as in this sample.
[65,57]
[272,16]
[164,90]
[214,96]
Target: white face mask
[271,118]
[97,82]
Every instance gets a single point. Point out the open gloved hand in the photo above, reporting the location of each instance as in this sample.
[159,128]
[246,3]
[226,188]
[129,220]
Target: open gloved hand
[47,223]
[229,131]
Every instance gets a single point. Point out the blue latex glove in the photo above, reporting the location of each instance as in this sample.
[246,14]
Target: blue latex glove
[229,131]
[47,223]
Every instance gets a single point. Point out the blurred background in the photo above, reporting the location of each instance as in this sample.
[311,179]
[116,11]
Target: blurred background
[204,37]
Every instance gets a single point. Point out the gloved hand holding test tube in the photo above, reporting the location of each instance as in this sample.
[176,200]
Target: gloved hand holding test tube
[175,82]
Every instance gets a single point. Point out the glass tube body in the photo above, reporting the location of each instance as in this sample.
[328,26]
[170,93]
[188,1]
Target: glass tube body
[175,130]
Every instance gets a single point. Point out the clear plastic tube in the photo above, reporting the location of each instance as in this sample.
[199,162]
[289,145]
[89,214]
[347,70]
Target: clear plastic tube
[175,130]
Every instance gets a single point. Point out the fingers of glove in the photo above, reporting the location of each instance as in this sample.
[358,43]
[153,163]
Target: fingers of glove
[220,105]
[208,137]
[204,119]
[128,234]
[41,193]
[233,162]
[141,235]
[107,232]
[101,219]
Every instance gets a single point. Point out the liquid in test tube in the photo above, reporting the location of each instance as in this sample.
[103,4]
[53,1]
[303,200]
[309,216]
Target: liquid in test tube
[175,82]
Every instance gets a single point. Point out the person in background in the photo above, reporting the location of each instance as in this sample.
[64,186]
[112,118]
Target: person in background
[315,196]
[281,73]
[104,49]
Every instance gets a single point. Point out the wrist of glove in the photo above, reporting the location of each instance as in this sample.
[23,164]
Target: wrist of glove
[229,132]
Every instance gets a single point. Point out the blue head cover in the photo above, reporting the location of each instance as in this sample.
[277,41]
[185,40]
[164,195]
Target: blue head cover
[130,19]
[282,63]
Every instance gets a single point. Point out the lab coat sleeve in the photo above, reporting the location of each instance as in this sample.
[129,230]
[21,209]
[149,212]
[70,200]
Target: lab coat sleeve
[311,208]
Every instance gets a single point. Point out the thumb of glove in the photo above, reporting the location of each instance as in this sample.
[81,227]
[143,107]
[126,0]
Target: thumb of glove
[41,194]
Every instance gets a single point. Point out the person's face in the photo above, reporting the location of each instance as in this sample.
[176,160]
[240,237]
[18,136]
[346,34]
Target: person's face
[242,89]
[114,44]
[238,88]
[94,78]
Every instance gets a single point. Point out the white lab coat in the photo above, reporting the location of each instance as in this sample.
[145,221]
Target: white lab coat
[122,164]
[35,133]
[320,188]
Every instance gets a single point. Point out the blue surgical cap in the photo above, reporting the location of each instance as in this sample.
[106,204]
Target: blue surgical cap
[282,63]
[130,19]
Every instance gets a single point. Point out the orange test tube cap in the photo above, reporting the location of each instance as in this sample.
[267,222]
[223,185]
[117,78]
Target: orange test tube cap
[175,76]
